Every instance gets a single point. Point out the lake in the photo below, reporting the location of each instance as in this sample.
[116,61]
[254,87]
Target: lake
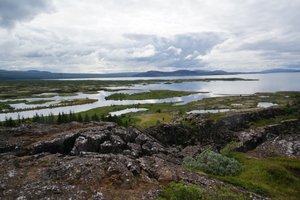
[265,83]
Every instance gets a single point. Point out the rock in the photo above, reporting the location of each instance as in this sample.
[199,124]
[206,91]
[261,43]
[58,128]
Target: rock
[135,149]
[171,134]
[283,145]
[278,139]
[191,151]
[249,140]
[80,145]
[62,144]
[105,161]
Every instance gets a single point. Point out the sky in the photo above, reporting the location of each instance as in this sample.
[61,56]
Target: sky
[107,36]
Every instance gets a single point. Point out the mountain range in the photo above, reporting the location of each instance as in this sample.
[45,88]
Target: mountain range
[35,74]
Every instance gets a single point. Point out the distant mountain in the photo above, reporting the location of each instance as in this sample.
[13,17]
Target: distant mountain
[203,72]
[183,73]
[34,74]
[280,70]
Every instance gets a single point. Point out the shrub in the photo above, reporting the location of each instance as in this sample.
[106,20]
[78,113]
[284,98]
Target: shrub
[213,163]
[228,150]
[180,191]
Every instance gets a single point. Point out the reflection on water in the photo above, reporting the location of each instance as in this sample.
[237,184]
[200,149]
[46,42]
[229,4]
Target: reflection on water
[266,104]
[266,83]
[100,103]
[128,110]
[208,111]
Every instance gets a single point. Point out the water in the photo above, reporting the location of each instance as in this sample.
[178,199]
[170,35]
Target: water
[266,83]
[128,110]
[100,103]
[208,111]
[266,104]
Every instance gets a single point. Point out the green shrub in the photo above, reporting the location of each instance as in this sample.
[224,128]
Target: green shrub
[228,150]
[180,191]
[213,163]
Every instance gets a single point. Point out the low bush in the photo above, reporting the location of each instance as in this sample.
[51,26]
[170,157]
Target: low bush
[213,163]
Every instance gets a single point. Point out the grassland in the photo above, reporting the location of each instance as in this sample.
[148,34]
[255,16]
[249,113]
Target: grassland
[73,102]
[153,94]
[276,177]
[156,113]
[166,112]
[38,102]
[147,120]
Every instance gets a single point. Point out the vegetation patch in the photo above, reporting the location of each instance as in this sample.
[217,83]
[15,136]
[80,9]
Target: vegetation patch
[273,177]
[6,107]
[73,102]
[147,120]
[224,193]
[67,94]
[213,163]
[153,94]
[180,191]
[38,102]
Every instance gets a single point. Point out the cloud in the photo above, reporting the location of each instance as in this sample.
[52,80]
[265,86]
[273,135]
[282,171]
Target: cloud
[14,11]
[145,52]
[173,51]
[117,35]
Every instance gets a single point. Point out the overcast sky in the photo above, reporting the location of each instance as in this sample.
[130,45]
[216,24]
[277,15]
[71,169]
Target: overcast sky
[99,36]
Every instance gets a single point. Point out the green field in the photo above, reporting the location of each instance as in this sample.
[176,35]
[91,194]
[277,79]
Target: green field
[165,112]
[153,94]
[74,102]
[277,177]
[38,102]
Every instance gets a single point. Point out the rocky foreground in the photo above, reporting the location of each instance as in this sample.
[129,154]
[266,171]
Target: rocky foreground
[101,160]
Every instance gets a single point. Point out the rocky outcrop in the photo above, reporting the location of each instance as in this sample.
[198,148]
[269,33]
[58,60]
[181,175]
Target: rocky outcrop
[105,161]
[239,121]
[195,129]
[278,139]
[97,161]
[249,140]
[205,132]
[282,145]
[103,139]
